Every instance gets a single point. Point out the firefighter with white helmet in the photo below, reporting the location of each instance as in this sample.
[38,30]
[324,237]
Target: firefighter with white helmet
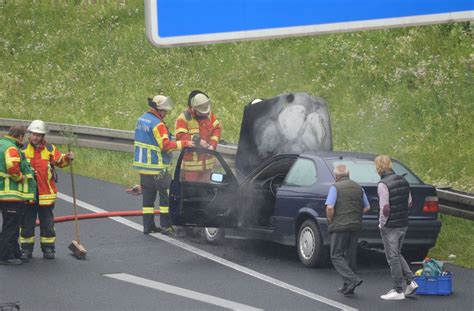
[43,158]
[152,158]
[198,123]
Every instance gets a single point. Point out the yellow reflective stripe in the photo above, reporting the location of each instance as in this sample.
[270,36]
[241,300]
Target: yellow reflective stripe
[151,166]
[25,196]
[179,145]
[148,210]
[165,136]
[194,131]
[181,130]
[50,176]
[49,240]
[215,138]
[2,174]
[48,196]
[215,123]
[192,163]
[148,156]
[47,199]
[28,240]
[147,146]
[164,209]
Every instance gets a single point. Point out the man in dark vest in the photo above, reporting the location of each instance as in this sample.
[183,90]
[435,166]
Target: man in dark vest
[394,201]
[345,204]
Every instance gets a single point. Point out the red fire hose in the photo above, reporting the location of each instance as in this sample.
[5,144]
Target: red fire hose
[98,215]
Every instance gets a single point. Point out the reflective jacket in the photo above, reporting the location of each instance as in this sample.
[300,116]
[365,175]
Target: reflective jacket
[189,124]
[153,144]
[43,159]
[17,181]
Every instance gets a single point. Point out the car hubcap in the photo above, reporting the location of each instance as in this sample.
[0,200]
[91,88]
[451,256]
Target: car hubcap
[307,243]
[211,232]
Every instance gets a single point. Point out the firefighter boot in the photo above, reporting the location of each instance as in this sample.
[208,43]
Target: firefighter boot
[48,253]
[149,224]
[26,255]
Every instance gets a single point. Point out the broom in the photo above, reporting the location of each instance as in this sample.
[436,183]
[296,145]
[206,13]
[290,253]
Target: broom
[77,249]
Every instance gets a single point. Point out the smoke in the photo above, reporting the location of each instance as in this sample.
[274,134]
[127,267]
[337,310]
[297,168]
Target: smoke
[287,123]
[296,123]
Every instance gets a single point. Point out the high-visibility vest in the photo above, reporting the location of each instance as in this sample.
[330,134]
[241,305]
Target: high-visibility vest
[11,190]
[43,159]
[148,156]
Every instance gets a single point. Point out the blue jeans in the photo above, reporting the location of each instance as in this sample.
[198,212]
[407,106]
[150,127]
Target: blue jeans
[392,243]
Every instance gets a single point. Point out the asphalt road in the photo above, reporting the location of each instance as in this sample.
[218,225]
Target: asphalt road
[126,270]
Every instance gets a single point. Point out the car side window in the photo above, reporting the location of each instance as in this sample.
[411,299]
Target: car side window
[278,167]
[303,173]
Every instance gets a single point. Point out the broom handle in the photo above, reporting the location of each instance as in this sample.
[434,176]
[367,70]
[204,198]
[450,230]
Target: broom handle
[78,239]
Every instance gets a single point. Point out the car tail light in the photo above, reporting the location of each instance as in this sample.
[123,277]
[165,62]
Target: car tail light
[431,205]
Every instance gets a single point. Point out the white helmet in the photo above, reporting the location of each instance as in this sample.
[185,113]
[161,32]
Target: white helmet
[161,102]
[201,103]
[38,126]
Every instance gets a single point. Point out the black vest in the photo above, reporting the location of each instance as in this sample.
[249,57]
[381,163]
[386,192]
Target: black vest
[349,206]
[399,190]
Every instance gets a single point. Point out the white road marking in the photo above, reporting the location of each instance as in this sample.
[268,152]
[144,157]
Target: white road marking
[215,258]
[182,292]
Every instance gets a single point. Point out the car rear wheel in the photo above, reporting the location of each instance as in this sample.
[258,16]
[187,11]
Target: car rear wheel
[213,235]
[310,246]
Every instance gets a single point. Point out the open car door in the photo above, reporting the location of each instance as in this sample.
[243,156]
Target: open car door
[204,191]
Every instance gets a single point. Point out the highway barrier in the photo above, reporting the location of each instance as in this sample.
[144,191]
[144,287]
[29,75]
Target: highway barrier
[451,202]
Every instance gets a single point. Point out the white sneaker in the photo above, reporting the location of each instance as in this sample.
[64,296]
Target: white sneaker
[393,295]
[411,288]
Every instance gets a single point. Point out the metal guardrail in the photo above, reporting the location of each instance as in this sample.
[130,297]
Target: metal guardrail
[451,202]
[100,138]
[456,203]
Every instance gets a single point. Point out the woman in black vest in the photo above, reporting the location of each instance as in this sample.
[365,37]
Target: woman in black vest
[394,201]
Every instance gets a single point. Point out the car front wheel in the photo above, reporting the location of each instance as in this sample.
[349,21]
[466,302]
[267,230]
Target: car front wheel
[213,235]
[310,246]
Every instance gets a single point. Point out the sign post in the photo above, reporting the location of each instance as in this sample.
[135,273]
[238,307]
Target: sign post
[190,22]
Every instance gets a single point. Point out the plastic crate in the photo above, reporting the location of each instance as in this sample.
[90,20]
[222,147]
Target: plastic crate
[434,285]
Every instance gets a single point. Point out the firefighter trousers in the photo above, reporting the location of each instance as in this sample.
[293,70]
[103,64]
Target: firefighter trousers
[151,185]
[12,213]
[47,232]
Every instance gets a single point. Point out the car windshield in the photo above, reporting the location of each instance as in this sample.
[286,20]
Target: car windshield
[363,171]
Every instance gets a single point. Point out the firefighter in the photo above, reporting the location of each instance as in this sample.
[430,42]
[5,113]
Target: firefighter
[152,157]
[43,158]
[198,122]
[17,186]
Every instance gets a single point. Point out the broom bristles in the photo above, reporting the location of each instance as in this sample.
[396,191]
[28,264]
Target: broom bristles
[78,250]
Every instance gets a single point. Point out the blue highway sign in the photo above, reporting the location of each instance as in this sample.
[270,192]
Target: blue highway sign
[188,22]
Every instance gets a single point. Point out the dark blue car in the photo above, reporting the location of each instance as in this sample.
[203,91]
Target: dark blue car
[282,200]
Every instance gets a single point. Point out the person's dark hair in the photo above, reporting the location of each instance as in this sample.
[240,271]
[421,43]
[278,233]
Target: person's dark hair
[16,131]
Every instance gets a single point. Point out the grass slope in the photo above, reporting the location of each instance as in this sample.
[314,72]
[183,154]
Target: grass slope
[406,92]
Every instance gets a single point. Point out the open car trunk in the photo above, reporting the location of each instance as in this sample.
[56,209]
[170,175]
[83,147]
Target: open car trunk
[287,123]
